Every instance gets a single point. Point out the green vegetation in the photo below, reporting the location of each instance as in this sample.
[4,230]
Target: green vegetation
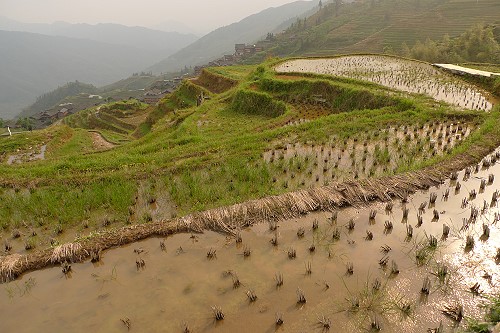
[213,154]
[491,318]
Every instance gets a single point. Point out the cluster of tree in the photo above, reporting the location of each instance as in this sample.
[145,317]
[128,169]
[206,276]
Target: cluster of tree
[481,43]
[150,73]
[49,100]
[25,123]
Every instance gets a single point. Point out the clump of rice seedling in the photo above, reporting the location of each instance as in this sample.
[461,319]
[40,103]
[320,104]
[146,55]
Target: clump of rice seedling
[405,213]
[441,272]
[273,225]
[238,239]
[389,206]
[95,256]
[301,297]
[353,303]
[472,194]
[388,226]
[491,178]
[334,216]
[373,213]
[409,231]
[274,240]
[446,231]
[422,206]
[324,322]
[420,220]
[383,262]
[278,278]
[349,268]
[163,247]
[376,284]
[457,187]
[432,242]
[432,198]
[29,244]
[486,231]
[246,252]
[138,250]
[308,268]
[217,313]
[16,233]
[394,268]
[312,248]
[279,319]
[475,289]
[252,297]
[469,243]
[482,186]
[301,232]
[446,194]
[435,214]
[66,267]
[385,249]
[236,280]
[212,254]
[336,234]
[375,324]
[454,176]
[454,312]
[7,247]
[185,328]
[140,263]
[126,322]
[315,224]
[351,224]
[292,254]
[369,235]
[426,286]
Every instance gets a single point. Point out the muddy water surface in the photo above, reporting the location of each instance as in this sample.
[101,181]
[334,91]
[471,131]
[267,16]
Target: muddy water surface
[179,284]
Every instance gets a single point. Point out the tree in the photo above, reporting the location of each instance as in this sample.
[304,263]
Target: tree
[25,123]
[320,4]
[2,123]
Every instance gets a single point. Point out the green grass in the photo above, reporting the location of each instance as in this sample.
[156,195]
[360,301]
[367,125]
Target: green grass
[206,156]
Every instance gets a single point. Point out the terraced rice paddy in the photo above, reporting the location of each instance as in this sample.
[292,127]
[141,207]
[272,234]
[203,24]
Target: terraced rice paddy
[396,73]
[405,266]
[375,153]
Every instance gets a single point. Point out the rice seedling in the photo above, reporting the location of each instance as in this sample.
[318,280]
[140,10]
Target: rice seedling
[308,268]
[394,268]
[388,226]
[278,319]
[446,194]
[349,268]
[497,256]
[472,194]
[140,263]
[126,322]
[446,231]
[236,280]
[385,249]
[179,250]
[441,272]
[252,297]
[432,242]
[246,252]
[334,217]
[376,284]
[494,197]
[218,314]
[469,243]
[163,247]
[465,203]
[274,240]
[278,278]
[7,247]
[211,254]
[66,267]
[138,250]
[351,224]
[409,231]
[375,324]
[301,297]
[301,232]
[237,238]
[432,198]
[185,328]
[454,312]
[405,213]
[369,235]
[486,231]
[312,248]
[422,206]
[426,286]
[324,322]
[454,176]
[336,234]
[373,213]
[420,220]
[29,244]
[491,178]
[482,186]
[475,289]
[315,224]
[273,225]
[292,254]
[95,256]
[383,262]
[458,186]
[388,207]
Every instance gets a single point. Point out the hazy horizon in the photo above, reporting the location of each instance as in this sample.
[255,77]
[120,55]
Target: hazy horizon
[199,16]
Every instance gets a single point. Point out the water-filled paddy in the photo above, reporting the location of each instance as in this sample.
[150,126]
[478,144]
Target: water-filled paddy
[396,73]
[179,284]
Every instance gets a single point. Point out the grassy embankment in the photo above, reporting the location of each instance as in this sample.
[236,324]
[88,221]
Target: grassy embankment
[206,156]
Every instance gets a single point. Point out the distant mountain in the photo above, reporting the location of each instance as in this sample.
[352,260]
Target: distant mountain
[160,42]
[222,40]
[172,25]
[34,64]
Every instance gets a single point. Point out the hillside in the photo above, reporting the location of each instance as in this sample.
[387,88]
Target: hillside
[34,64]
[382,25]
[222,40]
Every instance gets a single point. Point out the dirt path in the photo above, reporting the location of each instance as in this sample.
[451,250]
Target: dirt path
[99,142]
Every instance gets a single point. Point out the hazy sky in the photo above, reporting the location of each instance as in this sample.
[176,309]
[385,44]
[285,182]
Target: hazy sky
[201,15]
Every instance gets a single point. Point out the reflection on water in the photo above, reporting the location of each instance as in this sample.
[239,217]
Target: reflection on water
[179,284]
[396,73]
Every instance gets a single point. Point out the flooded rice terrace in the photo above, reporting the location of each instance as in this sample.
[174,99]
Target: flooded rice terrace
[403,266]
[396,73]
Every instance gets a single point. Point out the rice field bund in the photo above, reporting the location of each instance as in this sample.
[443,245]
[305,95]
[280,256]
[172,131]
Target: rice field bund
[350,194]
